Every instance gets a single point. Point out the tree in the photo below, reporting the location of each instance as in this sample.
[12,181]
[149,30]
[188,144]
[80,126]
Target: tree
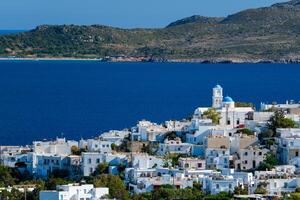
[213,115]
[6,176]
[245,131]
[113,146]
[239,190]
[13,194]
[294,196]
[116,186]
[260,190]
[76,151]
[53,182]
[171,135]
[59,173]
[220,196]
[244,104]
[168,192]
[269,162]
[102,168]
[278,120]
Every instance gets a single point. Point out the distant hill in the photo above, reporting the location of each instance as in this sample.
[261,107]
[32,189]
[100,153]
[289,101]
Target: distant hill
[270,34]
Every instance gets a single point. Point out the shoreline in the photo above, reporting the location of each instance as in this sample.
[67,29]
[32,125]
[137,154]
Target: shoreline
[138,60]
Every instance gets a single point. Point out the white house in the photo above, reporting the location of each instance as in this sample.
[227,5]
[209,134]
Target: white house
[288,146]
[174,146]
[54,153]
[144,161]
[148,131]
[10,155]
[217,158]
[114,136]
[148,184]
[59,147]
[98,145]
[217,184]
[90,161]
[75,191]
[192,163]
[279,186]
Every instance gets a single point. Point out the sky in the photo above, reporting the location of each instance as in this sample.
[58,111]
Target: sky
[27,14]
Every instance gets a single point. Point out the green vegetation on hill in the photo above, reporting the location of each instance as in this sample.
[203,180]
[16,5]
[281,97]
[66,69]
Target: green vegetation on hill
[265,34]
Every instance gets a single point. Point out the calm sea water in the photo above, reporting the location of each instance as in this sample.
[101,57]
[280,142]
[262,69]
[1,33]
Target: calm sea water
[42,99]
[5,32]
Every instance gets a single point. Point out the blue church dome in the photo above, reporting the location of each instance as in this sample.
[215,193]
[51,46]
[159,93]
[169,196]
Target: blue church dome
[218,86]
[228,99]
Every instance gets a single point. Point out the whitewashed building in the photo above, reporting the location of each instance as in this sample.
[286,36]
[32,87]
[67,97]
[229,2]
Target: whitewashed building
[91,160]
[10,155]
[174,146]
[75,192]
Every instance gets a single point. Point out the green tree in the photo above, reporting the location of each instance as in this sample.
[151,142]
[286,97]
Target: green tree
[244,104]
[14,194]
[53,182]
[269,162]
[76,151]
[245,131]
[6,176]
[294,196]
[116,186]
[220,196]
[260,190]
[167,192]
[239,190]
[213,115]
[171,135]
[102,168]
[278,120]
[113,146]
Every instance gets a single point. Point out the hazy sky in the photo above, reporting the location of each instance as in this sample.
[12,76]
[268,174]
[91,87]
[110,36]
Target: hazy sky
[26,14]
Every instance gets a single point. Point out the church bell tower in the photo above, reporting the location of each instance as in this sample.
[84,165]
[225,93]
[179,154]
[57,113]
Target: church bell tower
[217,97]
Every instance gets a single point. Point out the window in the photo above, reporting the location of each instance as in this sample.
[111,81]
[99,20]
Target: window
[217,186]
[91,170]
[297,153]
[98,160]
[246,161]
[199,165]
[228,122]
[246,153]
[260,153]
[238,122]
[230,186]
[89,161]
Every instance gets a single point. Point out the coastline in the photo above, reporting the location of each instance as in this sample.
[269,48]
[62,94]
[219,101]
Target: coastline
[151,60]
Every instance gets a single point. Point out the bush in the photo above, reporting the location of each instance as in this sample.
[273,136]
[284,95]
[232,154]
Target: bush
[116,186]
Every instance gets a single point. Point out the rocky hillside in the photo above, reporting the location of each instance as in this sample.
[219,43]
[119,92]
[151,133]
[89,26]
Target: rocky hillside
[264,34]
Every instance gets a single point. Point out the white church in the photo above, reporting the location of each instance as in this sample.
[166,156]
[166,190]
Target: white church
[231,116]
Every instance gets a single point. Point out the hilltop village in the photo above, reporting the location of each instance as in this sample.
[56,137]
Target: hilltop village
[227,151]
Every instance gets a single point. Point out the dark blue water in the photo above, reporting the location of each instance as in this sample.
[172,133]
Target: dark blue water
[42,99]
[6,32]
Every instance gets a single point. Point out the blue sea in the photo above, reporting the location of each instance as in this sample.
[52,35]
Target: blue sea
[6,32]
[81,99]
